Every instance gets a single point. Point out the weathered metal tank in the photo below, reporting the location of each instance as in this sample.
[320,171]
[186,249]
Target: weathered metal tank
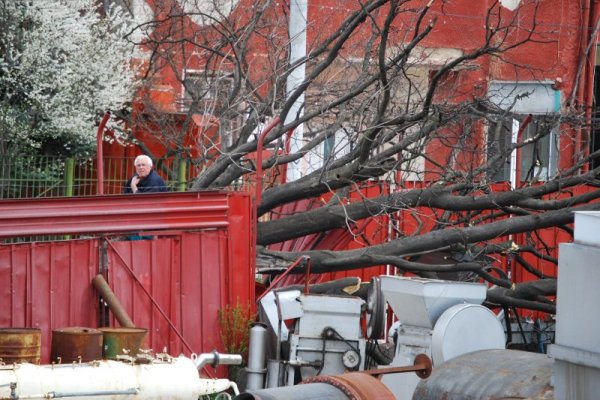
[118,341]
[19,345]
[490,374]
[163,378]
[76,344]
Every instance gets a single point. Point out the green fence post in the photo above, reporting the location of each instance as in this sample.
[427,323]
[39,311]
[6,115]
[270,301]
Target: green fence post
[181,176]
[69,173]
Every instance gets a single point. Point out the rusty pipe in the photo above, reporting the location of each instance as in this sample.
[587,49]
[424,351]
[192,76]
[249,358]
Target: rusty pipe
[422,367]
[112,301]
[350,386]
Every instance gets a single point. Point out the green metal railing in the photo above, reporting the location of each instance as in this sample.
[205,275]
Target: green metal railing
[45,176]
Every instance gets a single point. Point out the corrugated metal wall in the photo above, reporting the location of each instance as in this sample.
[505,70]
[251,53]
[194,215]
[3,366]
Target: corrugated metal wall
[185,277]
[173,284]
[48,286]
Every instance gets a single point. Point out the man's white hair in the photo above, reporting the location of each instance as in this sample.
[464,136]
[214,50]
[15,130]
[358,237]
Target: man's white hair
[143,157]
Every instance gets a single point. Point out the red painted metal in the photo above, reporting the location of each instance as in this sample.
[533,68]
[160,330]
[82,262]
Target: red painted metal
[115,214]
[370,231]
[47,286]
[259,150]
[99,154]
[152,299]
[283,275]
[190,276]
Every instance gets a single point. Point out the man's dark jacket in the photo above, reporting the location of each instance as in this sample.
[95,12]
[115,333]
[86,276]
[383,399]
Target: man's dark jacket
[151,183]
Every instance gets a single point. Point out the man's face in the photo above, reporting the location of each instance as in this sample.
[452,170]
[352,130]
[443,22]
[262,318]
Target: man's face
[142,168]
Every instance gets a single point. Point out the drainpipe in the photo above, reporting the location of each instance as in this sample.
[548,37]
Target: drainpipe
[297,32]
[99,154]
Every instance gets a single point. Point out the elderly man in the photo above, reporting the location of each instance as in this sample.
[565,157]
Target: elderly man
[145,179]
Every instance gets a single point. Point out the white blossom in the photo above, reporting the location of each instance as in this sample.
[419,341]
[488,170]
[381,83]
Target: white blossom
[61,63]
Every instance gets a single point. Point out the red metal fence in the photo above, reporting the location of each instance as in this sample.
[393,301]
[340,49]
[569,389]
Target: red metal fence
[172,282]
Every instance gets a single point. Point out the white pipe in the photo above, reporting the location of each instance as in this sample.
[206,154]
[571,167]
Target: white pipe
[297,32]
[172,379]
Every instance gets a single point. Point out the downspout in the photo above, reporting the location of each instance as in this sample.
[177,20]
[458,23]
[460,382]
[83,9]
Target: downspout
[100,155]
[297,33]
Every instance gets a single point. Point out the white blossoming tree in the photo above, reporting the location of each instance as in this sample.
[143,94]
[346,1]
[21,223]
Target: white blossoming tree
[61,64]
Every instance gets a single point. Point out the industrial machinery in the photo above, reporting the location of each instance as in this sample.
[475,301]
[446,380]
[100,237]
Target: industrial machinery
[325,338]
[442,319]
[307,336]
[144,377]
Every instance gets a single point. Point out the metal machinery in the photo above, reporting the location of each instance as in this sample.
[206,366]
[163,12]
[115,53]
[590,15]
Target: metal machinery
[490,374]
[143,377]
[438,320]
[573,369]
[442,319]
[325,340]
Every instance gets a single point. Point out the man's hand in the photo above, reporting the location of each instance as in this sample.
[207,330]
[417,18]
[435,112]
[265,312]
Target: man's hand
[134,182]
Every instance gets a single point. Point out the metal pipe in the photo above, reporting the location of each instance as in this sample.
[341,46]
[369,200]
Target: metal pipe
[273,373]
[300,392]
[255,370]
[422,367]
[165,378]
[349,386]
[307,276]
[216,358]
[112,301]
[100,155]
[259,149]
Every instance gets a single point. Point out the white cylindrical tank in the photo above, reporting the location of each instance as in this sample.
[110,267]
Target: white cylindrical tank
[173,378]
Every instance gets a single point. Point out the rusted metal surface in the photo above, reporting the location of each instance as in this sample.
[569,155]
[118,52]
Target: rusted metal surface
[112,301]
[310,391]
[19,345]
[357,386]
[47,286]
[489,375]
[76,344]
[117,213]
[422,367]
[119,341]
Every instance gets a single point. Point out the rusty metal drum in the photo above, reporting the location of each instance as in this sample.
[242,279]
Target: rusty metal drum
[20,345]
[120,341]
[76,344]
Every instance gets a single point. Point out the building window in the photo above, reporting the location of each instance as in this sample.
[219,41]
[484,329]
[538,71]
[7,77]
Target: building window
[207,93]
[210,89]
[538,159]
